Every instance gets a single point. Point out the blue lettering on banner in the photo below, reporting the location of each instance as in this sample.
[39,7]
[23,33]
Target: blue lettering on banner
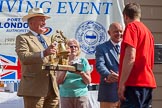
[18,4]
[85,7]
[75,7]
[14,25]
[90,34]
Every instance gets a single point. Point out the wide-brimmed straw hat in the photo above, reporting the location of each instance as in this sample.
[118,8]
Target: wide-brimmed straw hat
[35,12]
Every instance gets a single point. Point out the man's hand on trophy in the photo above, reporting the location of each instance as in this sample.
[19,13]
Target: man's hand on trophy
[52,49]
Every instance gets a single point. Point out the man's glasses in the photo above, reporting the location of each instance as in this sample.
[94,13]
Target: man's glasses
[73,46]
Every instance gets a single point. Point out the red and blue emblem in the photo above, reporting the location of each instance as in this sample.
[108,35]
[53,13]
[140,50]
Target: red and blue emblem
[48,31]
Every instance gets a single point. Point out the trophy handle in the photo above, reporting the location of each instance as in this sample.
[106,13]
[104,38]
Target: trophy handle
[60,60]
[61,57]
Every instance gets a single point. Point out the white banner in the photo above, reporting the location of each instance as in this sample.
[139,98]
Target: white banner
[85,20]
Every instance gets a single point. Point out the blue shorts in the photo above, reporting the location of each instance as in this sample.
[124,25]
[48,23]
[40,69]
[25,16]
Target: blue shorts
[137,97]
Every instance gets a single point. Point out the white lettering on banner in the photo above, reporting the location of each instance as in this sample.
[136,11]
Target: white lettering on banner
[63,7]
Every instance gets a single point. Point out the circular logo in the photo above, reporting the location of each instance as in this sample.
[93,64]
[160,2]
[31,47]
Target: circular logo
[90,34]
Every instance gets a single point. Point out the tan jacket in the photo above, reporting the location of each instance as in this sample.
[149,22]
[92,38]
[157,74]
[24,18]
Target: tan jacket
[34,80]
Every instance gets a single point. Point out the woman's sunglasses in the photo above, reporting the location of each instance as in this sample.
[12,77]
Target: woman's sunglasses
[73,46]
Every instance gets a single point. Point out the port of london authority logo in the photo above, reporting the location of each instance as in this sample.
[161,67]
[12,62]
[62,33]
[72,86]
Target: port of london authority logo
[47,31]
[90,34]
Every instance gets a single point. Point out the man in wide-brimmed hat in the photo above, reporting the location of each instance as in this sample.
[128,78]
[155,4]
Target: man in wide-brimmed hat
[35,12]
[38,87]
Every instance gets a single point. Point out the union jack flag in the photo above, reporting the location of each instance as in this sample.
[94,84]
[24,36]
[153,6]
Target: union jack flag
[10,68]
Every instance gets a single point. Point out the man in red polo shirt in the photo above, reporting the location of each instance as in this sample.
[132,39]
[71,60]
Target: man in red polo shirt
[136,78]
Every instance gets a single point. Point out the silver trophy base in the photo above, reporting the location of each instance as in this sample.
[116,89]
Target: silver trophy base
[59,67]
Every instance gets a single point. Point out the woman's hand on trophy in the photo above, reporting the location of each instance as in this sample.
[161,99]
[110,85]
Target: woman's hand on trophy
[79,73]
[52,49]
